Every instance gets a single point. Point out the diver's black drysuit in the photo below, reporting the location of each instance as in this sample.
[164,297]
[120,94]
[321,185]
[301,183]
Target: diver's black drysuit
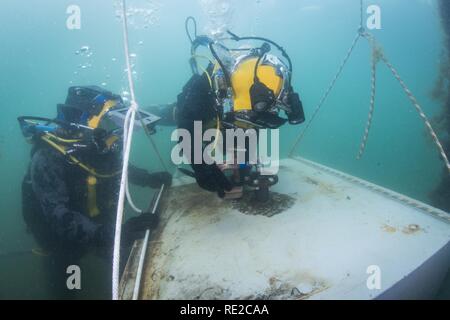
[55,198]
[197,102]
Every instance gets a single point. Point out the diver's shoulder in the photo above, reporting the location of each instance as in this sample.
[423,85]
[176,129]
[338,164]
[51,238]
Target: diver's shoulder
[46,153]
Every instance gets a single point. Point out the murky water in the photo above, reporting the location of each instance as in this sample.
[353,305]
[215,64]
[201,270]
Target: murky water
[41,58]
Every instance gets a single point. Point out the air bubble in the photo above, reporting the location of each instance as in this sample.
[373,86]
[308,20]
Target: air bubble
[140,17]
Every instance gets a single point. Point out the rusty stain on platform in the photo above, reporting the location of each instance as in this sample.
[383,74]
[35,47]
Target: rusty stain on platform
[389,229]
[411,229]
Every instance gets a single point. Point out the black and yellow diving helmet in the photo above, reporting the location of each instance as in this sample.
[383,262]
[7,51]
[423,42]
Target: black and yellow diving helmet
[80,118]
[87,106]
[259,87]
[81,130]
[251,84]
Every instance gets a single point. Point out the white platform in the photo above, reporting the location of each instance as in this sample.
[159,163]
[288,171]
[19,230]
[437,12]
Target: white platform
[320,248]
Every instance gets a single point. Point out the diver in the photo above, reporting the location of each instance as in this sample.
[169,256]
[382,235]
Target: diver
[69,193]
[244,87]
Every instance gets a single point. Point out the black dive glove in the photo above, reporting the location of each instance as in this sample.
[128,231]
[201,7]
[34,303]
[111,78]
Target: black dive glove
[141,223]
[134,229]
[211,178]
[143,178]
[157,179]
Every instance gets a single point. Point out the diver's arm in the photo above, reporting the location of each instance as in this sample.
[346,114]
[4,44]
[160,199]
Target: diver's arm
[167,113]
[197,100]
[196,103]
[49,185]
[137,176]
[193,103]
[208,176]
[143,178]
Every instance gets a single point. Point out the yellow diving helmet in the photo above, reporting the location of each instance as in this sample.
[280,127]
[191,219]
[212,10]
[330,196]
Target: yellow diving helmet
[251,84]
[257,88]
[270,72]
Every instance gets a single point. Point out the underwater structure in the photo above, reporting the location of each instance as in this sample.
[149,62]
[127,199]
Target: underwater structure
[441,195]
[320,234]
[323,235]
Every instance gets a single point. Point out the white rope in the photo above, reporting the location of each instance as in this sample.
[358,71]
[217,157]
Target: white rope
[419,109]
[130,200]
[333,82]
[127,185]
[129,124]
[378,54]
[411,97]
[375,60]
[137,283]
[128,136]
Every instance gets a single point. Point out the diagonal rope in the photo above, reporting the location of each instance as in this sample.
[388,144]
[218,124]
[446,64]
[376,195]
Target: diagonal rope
[381,56]
[325,96]
[419,109]
[375,59]
[361,31]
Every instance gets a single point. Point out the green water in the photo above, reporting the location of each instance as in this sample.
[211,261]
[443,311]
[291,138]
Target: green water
[38,64]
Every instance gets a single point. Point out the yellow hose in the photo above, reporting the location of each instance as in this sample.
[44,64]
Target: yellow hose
[209,77]
[78,162]
[63,140]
